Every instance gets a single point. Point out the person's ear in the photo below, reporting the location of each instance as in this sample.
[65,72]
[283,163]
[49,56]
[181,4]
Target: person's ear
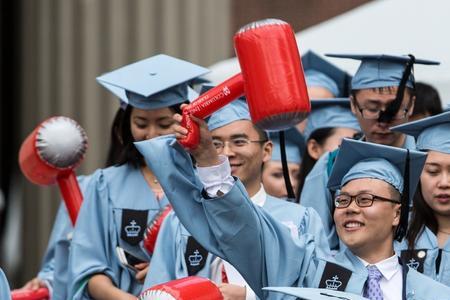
[267,151]
[397,213]
[314,149]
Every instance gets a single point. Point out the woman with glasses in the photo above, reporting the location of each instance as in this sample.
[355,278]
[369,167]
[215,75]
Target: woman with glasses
[382,96]
[426,247]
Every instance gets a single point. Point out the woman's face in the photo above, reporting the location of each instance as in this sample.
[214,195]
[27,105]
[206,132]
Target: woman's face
[273,180]
[315,150]
[335,140]
[147,124]
[435,182]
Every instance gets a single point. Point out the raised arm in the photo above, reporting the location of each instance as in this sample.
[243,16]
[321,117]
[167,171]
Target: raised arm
[230,226]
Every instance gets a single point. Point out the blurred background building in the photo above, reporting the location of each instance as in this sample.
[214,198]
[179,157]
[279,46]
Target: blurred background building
[52,50]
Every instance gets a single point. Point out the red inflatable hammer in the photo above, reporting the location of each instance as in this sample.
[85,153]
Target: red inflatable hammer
[272,80]
[50,154]
[188,288]
[39,294]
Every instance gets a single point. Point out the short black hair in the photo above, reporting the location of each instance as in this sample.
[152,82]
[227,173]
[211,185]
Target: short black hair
[428,101]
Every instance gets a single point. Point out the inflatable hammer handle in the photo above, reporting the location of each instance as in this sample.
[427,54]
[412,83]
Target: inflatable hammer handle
[208,103]
[39,294]
[70,189]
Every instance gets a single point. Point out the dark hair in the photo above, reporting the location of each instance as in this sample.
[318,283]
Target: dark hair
[116,143]
[427,100]
[128,152]
[422,215]
[320,136]
[388,89]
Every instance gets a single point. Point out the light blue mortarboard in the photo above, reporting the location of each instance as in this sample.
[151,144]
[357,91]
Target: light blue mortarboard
[232,112]
[381,70]
[294,142]
[320,72]
[432,133]
[330,113]
[156,82]
[358,159]
[314,293]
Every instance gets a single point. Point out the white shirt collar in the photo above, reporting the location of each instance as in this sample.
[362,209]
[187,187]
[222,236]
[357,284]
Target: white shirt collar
[387,267]
[260,197]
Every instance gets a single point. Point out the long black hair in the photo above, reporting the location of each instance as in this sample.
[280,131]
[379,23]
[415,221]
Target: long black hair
[115,143]
[320,136]
[422,215]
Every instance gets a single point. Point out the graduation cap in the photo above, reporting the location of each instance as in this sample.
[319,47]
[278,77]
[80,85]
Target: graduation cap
[315,293]
[234,111]
[156,82]
[432,133]
[322,73]
[380,70]
[399,167]
[334,112]
[295,145]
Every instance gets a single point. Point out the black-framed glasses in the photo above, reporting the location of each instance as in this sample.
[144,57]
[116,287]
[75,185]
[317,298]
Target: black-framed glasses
[374,113]
[235,143]
[362,200]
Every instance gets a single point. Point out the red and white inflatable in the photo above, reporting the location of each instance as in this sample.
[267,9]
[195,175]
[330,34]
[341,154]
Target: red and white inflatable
[151,233]
[51,153]
[188,288]
[272,79]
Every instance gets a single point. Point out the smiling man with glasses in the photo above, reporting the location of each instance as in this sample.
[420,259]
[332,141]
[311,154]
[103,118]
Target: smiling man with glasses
[382,96]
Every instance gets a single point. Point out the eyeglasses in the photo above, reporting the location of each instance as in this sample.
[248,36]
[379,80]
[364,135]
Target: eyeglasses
[235,143]
[374,113]
[362,200]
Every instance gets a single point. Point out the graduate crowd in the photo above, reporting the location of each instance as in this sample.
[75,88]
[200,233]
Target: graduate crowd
[362,210]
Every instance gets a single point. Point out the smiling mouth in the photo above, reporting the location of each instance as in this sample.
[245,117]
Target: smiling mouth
[353,225]
[235,166]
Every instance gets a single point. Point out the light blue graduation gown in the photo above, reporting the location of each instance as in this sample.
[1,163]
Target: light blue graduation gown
[5,292]
[315,193]
[113,195]
[260,247]
[55,262]
[168,260]
[428,244]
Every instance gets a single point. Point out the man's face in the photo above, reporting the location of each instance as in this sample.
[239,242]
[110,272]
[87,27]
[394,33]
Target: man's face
[366,229]
[244,149]
[372,100]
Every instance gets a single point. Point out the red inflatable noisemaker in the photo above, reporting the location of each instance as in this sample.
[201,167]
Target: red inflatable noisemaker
[272,80]
[50,154]
[151,233]
[39,294]
[188,288]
